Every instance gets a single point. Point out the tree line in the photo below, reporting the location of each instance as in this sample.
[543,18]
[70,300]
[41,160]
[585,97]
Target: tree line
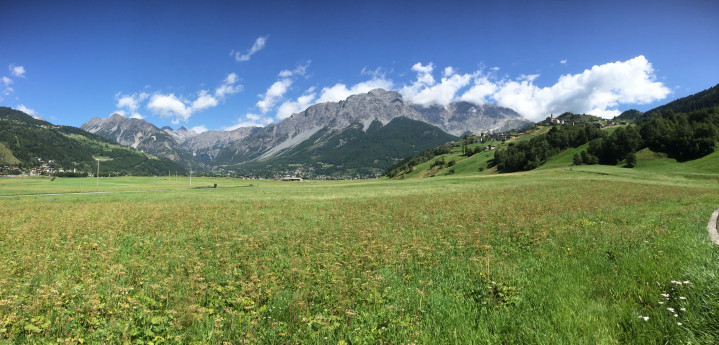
[682,136]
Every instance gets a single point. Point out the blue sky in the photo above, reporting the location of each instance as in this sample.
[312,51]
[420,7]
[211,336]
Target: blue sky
[219,65]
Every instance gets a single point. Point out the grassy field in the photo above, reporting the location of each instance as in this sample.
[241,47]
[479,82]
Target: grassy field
[591,254]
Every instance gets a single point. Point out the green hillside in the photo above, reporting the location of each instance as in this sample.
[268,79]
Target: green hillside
[481,163]
[708,98]
[27,143]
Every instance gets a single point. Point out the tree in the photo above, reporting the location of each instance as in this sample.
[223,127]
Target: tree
[631,160]
[577,159]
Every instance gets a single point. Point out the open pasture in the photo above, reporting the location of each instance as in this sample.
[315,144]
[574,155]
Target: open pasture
[594,254]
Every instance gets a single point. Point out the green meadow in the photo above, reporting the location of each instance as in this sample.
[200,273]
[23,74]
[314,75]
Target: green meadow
[570,255]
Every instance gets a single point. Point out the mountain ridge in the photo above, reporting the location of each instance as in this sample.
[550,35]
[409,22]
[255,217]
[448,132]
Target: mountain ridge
[214,149]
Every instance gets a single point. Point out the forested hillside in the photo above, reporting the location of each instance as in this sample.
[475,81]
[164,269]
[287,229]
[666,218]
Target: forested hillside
[708,98]
[35,142]
[682,136]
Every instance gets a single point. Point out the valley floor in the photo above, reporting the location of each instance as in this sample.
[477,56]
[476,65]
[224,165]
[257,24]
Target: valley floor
[590,254]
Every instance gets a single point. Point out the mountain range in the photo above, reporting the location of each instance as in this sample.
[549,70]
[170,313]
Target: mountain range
[319,140]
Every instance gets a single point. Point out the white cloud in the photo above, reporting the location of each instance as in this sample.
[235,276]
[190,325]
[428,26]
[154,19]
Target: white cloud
[6,80]
[228,86]
[335,93]
[418,67]
[300,70]
[273,94]
[8,90]
[292,107]
[177,107]
[448,71]
[199,129]
[18,71]
[29,111]
[204,101]
[250,120]
[426,92]
[131,103]
[480,91]
[340,92]
[596,91]
[259,44]
[169,106]
[563,62]
[277,90]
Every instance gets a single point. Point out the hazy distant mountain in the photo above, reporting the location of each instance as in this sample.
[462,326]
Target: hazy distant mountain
[139,134]
[182,145]
[181,134]
[460,117]
[207,145]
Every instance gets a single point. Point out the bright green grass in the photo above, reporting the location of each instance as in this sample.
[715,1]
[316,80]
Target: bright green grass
[47,185]
[563,159]
[544,257]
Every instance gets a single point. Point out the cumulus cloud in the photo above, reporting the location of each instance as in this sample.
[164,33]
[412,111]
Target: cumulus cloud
[130,104]
[335,93]
[204,100]
[178,108]
[18,71]
[277,90]
[295,106]
[598,90]
[257,46]
[169,106]
[340,92]
[563,62]
[6,81]
[479,92]
[273,94]
[426,92]
[29,111]
[229,86]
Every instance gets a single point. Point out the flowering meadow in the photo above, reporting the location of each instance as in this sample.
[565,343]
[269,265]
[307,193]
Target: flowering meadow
[596,254]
